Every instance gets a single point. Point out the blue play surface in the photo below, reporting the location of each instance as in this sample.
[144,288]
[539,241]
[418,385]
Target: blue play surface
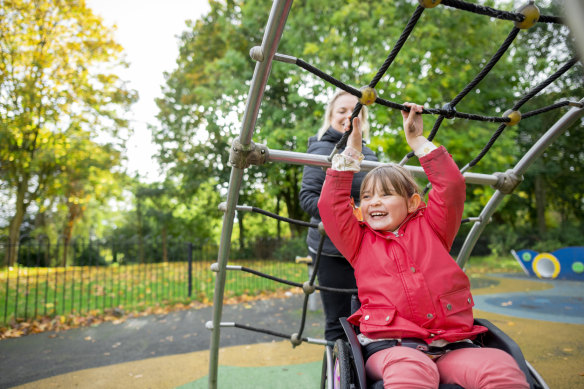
[563,303]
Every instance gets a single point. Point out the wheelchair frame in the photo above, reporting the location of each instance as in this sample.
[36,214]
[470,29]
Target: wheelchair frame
[348,355]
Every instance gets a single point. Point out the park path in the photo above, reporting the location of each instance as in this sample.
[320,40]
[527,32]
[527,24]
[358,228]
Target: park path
[545,318]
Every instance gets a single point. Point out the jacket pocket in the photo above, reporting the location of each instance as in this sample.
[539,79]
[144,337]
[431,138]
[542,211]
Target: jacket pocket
[457,301]
[375,317]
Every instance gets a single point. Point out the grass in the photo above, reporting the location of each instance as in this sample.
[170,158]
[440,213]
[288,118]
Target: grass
[30,293]
[492,264]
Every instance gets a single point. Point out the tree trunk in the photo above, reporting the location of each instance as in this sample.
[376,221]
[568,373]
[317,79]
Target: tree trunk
[164,244]
[75,212]
[140,232]
[540,204]
[15,223]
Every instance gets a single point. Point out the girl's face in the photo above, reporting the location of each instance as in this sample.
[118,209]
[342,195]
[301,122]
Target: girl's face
[342,109]
[385,211]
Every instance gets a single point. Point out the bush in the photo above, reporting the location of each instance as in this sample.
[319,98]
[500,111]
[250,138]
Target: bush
[291,248]
[89,256]
[33,254]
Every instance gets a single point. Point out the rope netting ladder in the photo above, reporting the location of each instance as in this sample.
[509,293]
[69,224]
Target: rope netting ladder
[245,152]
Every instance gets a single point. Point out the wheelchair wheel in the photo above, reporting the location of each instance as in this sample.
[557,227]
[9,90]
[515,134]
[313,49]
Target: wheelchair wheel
[340,373]
[342,368]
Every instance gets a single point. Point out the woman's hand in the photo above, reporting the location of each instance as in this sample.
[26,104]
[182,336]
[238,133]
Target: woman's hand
[414,125]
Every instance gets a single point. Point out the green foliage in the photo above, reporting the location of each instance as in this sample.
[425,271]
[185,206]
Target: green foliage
[291,249]
[564,236]
[89,256]
[503,240]
[204,97]
[33,254]
[492,264]
[57,95]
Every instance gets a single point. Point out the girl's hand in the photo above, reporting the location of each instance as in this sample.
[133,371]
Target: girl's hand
[355,140]
[414,125]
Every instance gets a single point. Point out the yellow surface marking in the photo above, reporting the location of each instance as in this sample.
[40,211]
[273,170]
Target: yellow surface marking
[176,370]
[510,285]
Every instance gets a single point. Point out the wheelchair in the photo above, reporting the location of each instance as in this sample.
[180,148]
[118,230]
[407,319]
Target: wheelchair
[344,364]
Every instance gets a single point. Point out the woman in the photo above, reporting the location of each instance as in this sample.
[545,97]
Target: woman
[333,271]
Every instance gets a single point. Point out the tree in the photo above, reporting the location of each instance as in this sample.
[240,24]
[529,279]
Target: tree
[91,176]
[56,63]
[205,97]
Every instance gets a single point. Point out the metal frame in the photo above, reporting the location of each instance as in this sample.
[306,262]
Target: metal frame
[535,152]
[271,39]
[245,152]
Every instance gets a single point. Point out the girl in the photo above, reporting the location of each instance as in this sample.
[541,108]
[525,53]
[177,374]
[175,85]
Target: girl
[413,294]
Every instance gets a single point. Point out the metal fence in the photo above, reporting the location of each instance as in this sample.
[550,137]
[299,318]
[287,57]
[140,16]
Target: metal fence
[86,277]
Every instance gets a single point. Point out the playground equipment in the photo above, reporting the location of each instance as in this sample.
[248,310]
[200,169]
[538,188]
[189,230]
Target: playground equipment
[564,264]
[245,152]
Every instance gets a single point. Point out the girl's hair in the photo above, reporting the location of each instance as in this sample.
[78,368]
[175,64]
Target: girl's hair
[329,110]
[388,177]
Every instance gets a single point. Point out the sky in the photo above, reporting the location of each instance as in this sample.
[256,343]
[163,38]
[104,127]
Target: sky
[148,30]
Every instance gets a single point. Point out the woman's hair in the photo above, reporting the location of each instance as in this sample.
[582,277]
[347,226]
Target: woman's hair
[388,177]
[329,110]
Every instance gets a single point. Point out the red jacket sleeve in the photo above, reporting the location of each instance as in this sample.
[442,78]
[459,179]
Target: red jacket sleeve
[336,212]
[446,199]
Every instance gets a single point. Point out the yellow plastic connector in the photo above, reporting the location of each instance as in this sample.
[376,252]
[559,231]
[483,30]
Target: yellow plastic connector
[429,3]
[515,117]
[531,13]
[368,95]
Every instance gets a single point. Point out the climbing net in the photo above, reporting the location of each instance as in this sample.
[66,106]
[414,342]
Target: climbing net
[245,153]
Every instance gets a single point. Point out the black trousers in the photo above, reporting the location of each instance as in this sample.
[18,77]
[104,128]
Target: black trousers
[335,272]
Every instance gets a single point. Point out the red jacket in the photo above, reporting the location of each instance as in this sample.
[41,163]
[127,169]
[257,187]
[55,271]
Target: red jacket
[409,285]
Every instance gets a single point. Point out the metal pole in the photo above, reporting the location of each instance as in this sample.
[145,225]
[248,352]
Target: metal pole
[524,163]
[271,39]
[574,14]
[297,158]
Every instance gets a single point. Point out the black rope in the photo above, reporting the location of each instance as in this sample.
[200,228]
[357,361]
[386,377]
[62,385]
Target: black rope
[316,264]
[264,331]
[479,77]
[496,13]
[398,45]
[319,73]
[282,218]
[303,318]
[522,101]
[482,10]
[357,93]
[488,145]
[388,61]
[551,19]
[545,109]
[545,83]
[292,283]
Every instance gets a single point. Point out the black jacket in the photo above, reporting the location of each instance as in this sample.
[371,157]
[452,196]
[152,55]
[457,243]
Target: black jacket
[312,180]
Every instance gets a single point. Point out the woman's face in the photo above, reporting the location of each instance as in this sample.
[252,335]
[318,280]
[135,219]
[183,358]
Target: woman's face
[342,109]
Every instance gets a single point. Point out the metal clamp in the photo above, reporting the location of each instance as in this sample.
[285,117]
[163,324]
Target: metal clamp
[242,156]
[507,182]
